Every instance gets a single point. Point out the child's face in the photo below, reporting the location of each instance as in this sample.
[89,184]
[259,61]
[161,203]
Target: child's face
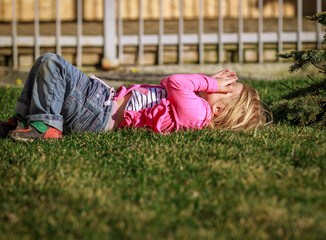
[216,98]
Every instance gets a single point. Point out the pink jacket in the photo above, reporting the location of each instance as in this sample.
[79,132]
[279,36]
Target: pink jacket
[183,109]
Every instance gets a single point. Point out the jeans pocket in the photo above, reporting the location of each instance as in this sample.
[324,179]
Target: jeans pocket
[76,117]
[92,90]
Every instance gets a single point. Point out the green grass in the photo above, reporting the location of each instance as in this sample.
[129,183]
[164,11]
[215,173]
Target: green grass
[267,184]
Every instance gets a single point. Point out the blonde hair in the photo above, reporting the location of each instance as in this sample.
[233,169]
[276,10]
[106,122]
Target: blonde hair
[243,112]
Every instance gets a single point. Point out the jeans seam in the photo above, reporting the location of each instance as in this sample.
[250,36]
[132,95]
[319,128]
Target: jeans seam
[52,95]
[96,92]
[94,124]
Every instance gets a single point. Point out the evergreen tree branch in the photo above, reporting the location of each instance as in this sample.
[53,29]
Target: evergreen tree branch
[287,86]
[305,106]
[318,67]
[311,79]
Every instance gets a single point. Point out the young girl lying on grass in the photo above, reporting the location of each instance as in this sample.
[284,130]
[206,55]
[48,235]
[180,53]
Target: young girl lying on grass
[58,98]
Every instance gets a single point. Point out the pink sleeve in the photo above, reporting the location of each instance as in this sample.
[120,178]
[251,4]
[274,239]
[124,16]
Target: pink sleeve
[163,81]
[189,110]
[192,82]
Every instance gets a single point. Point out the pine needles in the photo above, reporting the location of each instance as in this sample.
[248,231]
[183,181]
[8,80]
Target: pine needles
[305,106]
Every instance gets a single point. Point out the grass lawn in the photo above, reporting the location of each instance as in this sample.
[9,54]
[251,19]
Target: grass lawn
[134,184]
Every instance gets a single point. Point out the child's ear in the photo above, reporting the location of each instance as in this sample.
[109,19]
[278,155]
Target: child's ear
[217,108]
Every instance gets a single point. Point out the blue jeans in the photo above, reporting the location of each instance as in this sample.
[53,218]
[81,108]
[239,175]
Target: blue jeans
[61,96]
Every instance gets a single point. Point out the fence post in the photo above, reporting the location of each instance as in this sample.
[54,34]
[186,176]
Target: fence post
[299,26]
[220,32]
[180,35]
[140,34]
[260,32]
[120,32]
[160,34]
[58,27]
[201,32]
[240,32]
[110,59]
[14,34]
[280,28]
[36,30]
[79,32]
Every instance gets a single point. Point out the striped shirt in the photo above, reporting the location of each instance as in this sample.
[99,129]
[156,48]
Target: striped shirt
[145,97]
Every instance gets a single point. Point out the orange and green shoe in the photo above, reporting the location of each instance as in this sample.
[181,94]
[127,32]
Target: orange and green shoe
[35,130]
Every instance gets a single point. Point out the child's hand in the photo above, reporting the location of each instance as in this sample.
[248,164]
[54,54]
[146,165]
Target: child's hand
[223,73]
[225,79]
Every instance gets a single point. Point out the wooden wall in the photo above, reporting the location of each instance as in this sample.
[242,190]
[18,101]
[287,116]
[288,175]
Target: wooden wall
[130,9]
[25,10]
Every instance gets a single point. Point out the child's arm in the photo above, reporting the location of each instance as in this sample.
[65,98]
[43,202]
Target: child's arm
[188,108]
[224,79]
[190,83]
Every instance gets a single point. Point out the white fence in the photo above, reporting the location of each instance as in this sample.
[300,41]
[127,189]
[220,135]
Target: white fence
[113,39]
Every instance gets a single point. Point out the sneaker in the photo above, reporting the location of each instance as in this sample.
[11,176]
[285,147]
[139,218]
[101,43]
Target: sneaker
[36,130]
[14,123]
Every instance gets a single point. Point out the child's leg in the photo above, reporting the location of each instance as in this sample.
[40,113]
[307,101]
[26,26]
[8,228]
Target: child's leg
[23,106]
[24,100]
[43,93]
[57,94]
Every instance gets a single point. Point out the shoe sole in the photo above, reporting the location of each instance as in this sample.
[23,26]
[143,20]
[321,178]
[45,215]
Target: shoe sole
[19,139]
